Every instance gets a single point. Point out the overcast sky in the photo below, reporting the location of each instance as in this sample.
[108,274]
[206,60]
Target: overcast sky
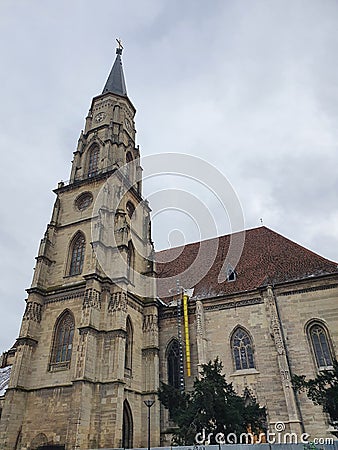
[250,86]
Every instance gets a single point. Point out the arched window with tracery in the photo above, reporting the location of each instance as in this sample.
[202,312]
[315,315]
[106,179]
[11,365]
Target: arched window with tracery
[77,254]
[128,358]
[242,350]
[173,363]
[320,343]
[93,161]
[63,338]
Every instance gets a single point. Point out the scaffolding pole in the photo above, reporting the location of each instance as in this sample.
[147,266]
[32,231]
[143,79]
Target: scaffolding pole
[186,332]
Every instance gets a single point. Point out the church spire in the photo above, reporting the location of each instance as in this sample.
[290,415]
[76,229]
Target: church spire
[115,82]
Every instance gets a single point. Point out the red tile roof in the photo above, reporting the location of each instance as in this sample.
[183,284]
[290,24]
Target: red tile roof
[266,258]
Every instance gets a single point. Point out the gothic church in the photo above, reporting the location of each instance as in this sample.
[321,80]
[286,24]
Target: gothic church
[100,331]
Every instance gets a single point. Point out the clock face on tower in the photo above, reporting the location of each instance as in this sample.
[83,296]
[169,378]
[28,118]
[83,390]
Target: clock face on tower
[100,117]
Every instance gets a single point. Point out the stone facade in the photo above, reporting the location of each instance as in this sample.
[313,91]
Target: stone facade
[277,318]
[91,302]
[281,345]
[95,338]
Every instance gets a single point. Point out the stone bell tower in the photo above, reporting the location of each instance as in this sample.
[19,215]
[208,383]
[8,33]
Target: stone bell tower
[87,353]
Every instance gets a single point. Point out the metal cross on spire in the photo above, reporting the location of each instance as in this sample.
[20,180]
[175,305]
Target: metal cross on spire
[120,46]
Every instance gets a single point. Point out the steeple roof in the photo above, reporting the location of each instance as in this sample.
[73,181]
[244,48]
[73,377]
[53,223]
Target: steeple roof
[115,82]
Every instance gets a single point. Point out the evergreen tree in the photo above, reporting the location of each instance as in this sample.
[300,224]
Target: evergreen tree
[322,390]
[213,407]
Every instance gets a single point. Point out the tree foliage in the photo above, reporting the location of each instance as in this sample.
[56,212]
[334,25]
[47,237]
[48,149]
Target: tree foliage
[322,390]
[213,406]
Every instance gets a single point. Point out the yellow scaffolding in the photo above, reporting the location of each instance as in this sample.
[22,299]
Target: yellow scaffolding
[186,332]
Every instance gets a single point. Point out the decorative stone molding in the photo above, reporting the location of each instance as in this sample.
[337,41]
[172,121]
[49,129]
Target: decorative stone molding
[92,298]
[133,305]
[33,311]
[118,333]
[172,312]
[199,319]
[312,289]
[150,323]
[118,302]
[283,363]
[88,330]
[60,298]
[26,341]
[56,367]
[276,331]
[235,304]
[200,334]
[150,351]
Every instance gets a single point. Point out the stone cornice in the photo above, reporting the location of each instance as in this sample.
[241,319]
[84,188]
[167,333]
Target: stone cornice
[26,340]
[44,258]
[69,385]
[150,351]
[172,312]
[76,222]
[78,183]
[121,98]
[119,332]
[58,297]
[234,304]
[304,290]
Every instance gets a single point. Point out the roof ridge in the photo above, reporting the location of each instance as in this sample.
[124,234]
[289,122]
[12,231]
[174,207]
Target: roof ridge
[249,231]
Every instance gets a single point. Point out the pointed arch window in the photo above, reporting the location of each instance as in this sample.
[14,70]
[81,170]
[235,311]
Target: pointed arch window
[129,347]
[93,161]
[173,363]
[320,345]
[77,254]
[130,209]
[63,339]
[242,350]
[127,426]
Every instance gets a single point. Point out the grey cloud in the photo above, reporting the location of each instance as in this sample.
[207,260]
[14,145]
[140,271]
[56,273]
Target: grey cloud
[249,86]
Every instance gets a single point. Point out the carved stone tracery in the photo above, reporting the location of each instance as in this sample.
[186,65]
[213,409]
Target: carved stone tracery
[150,323]
[92,298]
[118,302]
[33,311]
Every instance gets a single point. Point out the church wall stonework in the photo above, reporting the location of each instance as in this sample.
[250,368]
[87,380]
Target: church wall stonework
[298,304]
[114,343]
